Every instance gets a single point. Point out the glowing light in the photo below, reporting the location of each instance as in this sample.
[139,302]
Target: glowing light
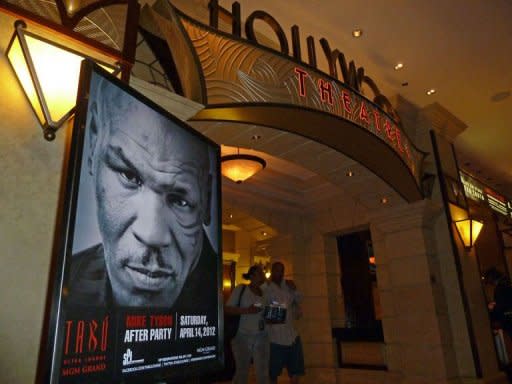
[469,230]
[49,75]
[358,32]
[58,72]
[241,167]
[15,56]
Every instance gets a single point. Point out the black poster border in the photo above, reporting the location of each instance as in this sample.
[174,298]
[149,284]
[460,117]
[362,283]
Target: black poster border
[52,334]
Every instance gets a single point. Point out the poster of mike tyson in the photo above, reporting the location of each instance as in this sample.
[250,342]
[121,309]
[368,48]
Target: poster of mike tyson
[135,290]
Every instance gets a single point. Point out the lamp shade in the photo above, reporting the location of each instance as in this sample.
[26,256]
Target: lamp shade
[240,167]
[49,74]
[469,229]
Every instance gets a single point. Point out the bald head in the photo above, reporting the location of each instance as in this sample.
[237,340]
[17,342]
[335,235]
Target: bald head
[153,193]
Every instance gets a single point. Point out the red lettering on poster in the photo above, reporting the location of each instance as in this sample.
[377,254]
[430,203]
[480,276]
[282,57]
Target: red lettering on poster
[135,321]
[104,334]
[79,344]
[161,321]
[73,371]
[69,323]
[78,330]
[93,341]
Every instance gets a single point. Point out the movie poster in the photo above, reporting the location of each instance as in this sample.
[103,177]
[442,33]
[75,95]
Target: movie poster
[139,287]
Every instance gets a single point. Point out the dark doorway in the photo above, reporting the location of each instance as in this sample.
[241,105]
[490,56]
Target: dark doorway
[359,282]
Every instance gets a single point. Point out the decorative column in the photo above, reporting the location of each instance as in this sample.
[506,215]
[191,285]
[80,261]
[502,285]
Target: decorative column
[424,328]
[310,273]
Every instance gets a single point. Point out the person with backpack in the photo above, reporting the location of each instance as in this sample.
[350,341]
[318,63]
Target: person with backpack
[251,340]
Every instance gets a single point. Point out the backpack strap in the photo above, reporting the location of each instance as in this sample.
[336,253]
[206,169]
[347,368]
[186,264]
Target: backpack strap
[241,293]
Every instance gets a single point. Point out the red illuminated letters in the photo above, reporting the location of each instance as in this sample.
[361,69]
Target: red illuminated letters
[390,132]
[325,91]
[376,119]
[363,113]
[351,74]
[399,140]
[301,75]
[345,98]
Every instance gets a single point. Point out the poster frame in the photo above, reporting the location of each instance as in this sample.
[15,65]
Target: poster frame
[52,334]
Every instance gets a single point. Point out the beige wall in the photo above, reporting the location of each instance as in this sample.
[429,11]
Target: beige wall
[31,169]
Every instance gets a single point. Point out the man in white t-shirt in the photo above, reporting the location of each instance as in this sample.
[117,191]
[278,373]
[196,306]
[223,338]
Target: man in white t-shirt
[285,343]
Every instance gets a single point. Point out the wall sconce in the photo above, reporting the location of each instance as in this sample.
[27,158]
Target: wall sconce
[468,230]
[49,74]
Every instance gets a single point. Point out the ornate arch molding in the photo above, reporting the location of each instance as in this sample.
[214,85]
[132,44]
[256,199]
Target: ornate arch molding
[241,81]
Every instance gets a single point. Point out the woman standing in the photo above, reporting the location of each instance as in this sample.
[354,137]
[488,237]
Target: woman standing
[251,340]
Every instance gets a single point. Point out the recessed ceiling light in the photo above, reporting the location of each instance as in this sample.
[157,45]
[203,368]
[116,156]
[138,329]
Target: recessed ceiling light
[399,66]
[358,32]
[384,200]
[264,233]
[350,173]
[431,91]
[230,215]
[256,137]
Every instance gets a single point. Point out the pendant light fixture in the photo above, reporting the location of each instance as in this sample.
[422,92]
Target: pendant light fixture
[240,167]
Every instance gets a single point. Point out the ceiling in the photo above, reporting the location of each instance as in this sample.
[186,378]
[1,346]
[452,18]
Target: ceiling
[461,48]
[300,177]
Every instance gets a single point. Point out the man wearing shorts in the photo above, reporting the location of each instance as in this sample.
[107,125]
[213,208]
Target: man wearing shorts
[285,343]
